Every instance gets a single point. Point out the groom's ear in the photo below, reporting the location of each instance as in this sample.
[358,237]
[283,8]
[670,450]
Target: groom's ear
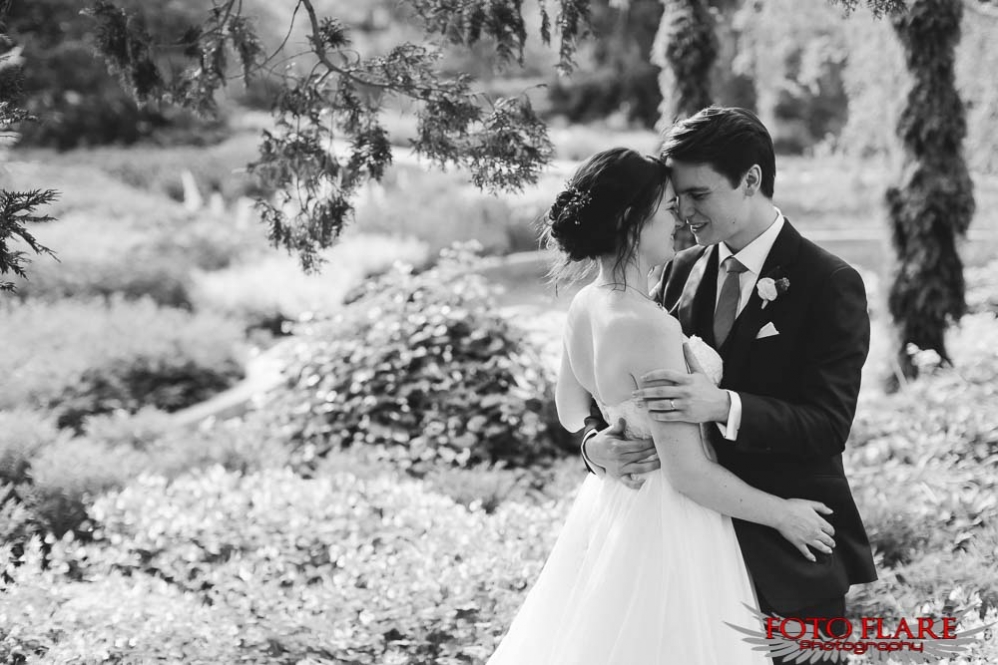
[752,180]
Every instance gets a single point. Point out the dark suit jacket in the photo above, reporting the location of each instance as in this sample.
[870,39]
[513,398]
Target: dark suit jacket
[798,391]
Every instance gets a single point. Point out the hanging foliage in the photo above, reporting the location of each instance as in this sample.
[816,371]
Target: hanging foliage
[329,136]
[932,206]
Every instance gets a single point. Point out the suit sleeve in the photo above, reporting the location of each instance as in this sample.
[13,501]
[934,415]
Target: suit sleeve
[594,423]
[836,341]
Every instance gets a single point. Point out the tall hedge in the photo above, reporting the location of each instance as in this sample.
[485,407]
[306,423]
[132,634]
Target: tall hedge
[932,206]
[685,48]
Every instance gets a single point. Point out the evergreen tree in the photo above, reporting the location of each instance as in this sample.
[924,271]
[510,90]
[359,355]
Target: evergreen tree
[16,208]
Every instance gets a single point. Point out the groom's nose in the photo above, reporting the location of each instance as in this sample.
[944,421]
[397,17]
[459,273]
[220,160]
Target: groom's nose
[685,208]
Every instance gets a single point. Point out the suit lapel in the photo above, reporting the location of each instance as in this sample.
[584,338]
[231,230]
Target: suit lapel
[699,294]
[780,260]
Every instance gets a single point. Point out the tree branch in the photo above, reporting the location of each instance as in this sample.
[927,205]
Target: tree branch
[320,51]
[318,46]
[284,42]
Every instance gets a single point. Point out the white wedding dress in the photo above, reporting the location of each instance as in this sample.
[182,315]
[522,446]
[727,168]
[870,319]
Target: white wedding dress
[645,577]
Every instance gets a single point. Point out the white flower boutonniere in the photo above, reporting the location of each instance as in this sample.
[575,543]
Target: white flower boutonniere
[770,289]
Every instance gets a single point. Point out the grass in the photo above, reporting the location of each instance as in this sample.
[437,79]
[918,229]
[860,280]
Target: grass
[158,170]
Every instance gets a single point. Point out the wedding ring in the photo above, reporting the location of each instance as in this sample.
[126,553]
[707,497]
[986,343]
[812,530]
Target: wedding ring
[672,405]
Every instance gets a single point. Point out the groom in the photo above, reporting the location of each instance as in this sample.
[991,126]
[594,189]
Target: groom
[790,322]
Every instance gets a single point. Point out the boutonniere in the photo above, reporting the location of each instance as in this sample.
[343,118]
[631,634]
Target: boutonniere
[770,289]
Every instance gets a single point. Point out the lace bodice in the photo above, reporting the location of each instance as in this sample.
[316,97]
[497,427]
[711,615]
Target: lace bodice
[638,426]
[708,358]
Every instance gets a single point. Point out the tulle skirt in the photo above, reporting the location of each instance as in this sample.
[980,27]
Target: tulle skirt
[646,577]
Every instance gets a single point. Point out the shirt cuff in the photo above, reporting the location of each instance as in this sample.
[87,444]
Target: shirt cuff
[597,469]
[729,430]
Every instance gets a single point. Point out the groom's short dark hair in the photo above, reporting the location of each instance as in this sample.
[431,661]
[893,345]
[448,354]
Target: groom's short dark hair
[729,139]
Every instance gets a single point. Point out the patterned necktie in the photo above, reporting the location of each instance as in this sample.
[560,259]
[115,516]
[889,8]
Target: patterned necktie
[727,302]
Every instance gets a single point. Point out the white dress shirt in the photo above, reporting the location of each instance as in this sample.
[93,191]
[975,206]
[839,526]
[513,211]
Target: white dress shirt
[753,256]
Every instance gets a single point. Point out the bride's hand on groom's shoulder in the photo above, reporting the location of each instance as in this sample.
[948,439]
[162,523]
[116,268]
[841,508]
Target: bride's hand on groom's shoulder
[803,525]
[627,460]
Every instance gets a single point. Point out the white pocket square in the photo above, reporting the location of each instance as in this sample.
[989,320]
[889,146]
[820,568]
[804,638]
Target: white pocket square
[768,330]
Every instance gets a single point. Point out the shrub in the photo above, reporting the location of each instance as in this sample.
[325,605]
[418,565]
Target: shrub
[82,358]
[118,618]
[139,431]
[47,479]
[241,445]
[334,569]
[67,476]
[420,369]
[23,434]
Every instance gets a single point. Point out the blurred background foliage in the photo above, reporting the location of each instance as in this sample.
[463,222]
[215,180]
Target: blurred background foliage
[819,81]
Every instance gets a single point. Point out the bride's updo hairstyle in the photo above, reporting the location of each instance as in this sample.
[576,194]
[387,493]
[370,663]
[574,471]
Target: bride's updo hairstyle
[602,211]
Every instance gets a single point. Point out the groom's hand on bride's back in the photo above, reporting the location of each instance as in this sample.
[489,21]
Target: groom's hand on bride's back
[627,460]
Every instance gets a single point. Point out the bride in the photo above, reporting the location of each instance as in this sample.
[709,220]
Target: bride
[652,576]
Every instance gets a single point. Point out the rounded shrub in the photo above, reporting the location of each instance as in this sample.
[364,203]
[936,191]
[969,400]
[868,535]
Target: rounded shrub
[421,369]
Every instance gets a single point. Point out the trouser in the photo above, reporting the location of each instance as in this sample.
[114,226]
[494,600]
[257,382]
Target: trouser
[825,609]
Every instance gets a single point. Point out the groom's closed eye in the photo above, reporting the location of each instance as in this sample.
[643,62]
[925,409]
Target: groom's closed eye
[694,195]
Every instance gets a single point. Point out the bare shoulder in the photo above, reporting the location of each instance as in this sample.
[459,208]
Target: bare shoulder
[579,303]
[640,323]
[578,318]
[634,340]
